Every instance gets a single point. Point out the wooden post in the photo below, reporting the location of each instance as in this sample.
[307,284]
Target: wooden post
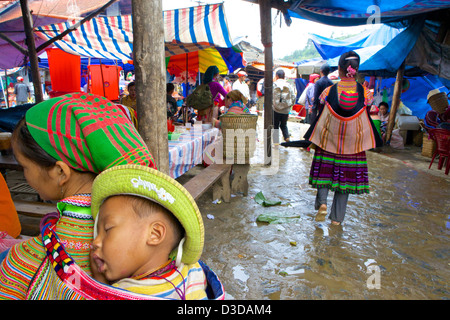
[395,101]
[150,77]
[266,39]
[32,54]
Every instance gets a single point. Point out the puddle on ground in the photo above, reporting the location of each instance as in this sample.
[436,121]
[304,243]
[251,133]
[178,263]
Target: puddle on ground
[396,237]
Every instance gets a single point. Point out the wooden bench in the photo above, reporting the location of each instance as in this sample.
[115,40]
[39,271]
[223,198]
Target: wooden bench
[34,209]
[216,176]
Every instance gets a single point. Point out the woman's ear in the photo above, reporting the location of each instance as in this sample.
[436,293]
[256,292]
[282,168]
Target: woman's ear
[61,172]
[157,232]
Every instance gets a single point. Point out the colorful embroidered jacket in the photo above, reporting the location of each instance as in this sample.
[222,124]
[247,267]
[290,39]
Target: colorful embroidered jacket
[19,270]
[187,282]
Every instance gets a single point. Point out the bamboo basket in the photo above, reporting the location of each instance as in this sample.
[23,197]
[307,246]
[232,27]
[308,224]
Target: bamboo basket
[239,137]
[428,146]
[439,102]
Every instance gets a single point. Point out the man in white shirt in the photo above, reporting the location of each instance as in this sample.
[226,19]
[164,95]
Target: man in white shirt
[21,91]
[240,85]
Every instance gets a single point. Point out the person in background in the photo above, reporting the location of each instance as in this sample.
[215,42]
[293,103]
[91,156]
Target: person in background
[130,99]
[128,104]
[11,95]
[218,94]
[384,111]
[22,92]
[227,84]
[319,86]
[309,101]
[283,100]
[172,106]
[240,84]
[235,103]
[384,117]
[339,163]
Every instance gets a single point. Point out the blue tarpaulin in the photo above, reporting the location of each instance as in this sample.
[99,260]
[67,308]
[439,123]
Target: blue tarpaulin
[386,57]
[330,48]
[415,98]
[382,52]
[422,49]
[353,13]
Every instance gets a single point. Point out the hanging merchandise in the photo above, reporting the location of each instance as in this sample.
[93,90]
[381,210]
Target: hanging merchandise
[104,81]
[65,72]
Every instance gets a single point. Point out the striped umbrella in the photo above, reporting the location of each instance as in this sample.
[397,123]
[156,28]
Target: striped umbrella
[226,59]
[185,30]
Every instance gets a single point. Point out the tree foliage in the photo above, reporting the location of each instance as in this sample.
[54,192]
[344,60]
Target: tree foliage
[309,52]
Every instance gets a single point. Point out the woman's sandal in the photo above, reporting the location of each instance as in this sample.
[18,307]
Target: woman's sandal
[321,215]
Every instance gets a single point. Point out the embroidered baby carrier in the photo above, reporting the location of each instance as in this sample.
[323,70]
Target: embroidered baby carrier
[344,126]
[59,277]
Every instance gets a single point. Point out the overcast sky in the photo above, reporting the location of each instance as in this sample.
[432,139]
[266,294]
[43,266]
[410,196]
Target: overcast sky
[243,21]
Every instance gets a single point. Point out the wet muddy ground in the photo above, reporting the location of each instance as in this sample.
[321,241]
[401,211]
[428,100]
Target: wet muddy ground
[393,244]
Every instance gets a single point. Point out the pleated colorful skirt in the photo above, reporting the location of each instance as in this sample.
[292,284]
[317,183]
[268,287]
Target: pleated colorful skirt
[346,173]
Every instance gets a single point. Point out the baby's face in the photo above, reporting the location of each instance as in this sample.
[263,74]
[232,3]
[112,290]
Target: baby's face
[120,249]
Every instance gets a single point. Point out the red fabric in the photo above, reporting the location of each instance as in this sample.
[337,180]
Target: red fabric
[9,220]
[65,70]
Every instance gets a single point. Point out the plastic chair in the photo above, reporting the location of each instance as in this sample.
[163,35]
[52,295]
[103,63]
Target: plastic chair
[442,139]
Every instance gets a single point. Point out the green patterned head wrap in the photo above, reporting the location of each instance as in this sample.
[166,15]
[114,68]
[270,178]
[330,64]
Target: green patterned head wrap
[87,132]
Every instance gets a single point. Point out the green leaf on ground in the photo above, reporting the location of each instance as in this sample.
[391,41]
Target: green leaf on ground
[275,218]
[260,199]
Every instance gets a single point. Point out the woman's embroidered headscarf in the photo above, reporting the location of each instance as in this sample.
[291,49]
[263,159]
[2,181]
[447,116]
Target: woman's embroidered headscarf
[313,77]
[87,132]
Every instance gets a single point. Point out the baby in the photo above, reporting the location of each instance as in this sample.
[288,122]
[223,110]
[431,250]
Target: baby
[148,235]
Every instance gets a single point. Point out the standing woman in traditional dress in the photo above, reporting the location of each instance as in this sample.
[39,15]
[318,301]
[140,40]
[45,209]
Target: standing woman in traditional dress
[210,78]
[62,144]
[342,133]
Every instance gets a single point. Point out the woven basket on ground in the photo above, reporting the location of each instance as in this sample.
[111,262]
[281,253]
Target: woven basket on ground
[439,102]
[239,137]
[428,146]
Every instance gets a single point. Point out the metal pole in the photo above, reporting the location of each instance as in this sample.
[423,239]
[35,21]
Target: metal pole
[27,23]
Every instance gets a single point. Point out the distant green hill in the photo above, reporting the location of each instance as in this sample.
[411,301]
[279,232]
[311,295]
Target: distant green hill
[309,52]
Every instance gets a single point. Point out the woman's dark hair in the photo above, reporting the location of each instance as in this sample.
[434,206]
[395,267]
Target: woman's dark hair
[280,73]
[26,145]
[348,59]
[382,103]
